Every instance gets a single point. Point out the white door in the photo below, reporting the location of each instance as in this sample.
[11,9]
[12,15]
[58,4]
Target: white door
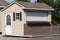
[37,16]
[8,29]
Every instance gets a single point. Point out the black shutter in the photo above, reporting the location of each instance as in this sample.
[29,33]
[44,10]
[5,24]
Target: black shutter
[20,16]
[13,16]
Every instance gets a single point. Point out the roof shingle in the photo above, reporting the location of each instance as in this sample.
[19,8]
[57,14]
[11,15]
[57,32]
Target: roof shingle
[3,3]
[35,5]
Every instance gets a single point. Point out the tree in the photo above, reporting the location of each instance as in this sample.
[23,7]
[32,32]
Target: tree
[56,5]
[49,2]
[57,8]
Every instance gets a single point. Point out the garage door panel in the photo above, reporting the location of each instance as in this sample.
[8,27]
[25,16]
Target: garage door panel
[35,16]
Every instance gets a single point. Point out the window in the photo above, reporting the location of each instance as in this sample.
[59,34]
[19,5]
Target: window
[8,19]
[17,16]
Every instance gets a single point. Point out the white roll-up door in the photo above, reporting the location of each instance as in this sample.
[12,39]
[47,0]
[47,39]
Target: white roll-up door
[37,16]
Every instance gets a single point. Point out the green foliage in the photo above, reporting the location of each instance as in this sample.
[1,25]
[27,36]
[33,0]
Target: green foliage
[39,1]
[56,6]
[54,22]
[59,23]
[49,2]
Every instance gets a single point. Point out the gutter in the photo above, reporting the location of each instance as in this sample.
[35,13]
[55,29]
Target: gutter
[2,6]
[38,9]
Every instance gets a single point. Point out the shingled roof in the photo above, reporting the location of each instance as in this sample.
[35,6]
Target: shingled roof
[3,3]
[34,5]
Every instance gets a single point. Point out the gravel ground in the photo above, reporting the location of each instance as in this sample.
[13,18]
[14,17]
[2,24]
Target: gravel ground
[55,29]
[11,38]
[55,37]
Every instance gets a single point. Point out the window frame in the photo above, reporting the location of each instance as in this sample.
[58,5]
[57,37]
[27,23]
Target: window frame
[17,16]
[8,20]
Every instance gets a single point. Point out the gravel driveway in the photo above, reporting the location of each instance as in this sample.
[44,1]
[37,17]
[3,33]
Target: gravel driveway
[11,38]
[56,37]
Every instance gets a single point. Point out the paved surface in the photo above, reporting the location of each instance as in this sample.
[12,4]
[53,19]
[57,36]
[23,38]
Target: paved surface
[55,29]
[56,37]
[11,38]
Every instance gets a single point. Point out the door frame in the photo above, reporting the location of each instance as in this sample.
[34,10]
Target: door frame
[5,22]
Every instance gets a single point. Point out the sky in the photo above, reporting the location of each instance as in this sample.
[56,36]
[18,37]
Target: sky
[33,0]
[9,1]
[13,0]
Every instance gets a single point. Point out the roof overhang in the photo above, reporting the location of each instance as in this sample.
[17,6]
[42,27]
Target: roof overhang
[14,2]
[2,6]
[39,9]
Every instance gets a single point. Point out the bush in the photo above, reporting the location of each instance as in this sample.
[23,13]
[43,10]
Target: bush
[59,23]
[54,22]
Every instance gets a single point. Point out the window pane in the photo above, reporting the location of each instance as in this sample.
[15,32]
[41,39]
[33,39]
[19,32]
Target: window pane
[8,19]
[8,23]
[17,14]
[17,17]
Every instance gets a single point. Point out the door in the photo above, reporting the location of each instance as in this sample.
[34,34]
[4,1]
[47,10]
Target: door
[37,16]
[8,29]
